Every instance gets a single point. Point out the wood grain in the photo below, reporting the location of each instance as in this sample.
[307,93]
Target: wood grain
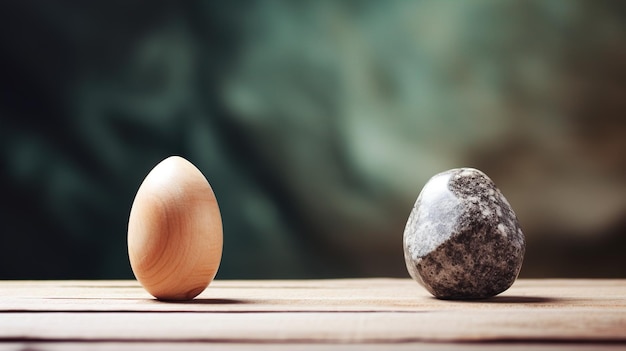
[351,311]
[175,231]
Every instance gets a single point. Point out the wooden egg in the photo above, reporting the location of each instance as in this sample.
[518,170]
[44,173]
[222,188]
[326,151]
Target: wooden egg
[175,231]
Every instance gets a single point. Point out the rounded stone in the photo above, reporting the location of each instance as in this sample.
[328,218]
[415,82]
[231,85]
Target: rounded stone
[462,239]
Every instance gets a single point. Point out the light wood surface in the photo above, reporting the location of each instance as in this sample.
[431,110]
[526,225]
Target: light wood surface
[309,314]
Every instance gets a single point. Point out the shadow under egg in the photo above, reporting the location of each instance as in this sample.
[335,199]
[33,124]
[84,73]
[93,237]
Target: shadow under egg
[205,301]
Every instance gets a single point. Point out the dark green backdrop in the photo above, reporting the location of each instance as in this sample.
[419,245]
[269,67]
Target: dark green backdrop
[316,123]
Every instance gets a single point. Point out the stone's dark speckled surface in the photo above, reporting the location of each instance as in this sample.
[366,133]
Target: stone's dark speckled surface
[462,239]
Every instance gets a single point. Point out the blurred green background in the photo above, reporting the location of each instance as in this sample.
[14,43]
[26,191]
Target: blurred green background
[317,124]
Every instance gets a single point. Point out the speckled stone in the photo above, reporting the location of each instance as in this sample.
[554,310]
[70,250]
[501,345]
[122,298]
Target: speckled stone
[462,239]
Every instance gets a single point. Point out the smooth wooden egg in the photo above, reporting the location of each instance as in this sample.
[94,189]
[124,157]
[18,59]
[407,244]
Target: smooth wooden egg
[175,231]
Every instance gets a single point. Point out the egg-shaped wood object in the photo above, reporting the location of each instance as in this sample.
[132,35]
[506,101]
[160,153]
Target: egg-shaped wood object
[175,231]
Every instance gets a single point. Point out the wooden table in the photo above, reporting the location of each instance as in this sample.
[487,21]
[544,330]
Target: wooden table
[351,314]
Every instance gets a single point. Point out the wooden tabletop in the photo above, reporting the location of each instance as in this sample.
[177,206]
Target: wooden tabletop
[350,314]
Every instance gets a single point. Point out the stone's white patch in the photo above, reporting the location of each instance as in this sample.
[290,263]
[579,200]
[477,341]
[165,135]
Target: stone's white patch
[433,218]
[473,199]
[502,229]
[498,211]
[487,212]
[493,199]
[491,192]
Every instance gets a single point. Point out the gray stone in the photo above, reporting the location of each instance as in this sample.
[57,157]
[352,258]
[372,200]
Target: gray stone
[462,239]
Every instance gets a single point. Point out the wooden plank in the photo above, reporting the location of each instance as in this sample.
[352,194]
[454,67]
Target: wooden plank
[312,327]
[357,295]
[317,311]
